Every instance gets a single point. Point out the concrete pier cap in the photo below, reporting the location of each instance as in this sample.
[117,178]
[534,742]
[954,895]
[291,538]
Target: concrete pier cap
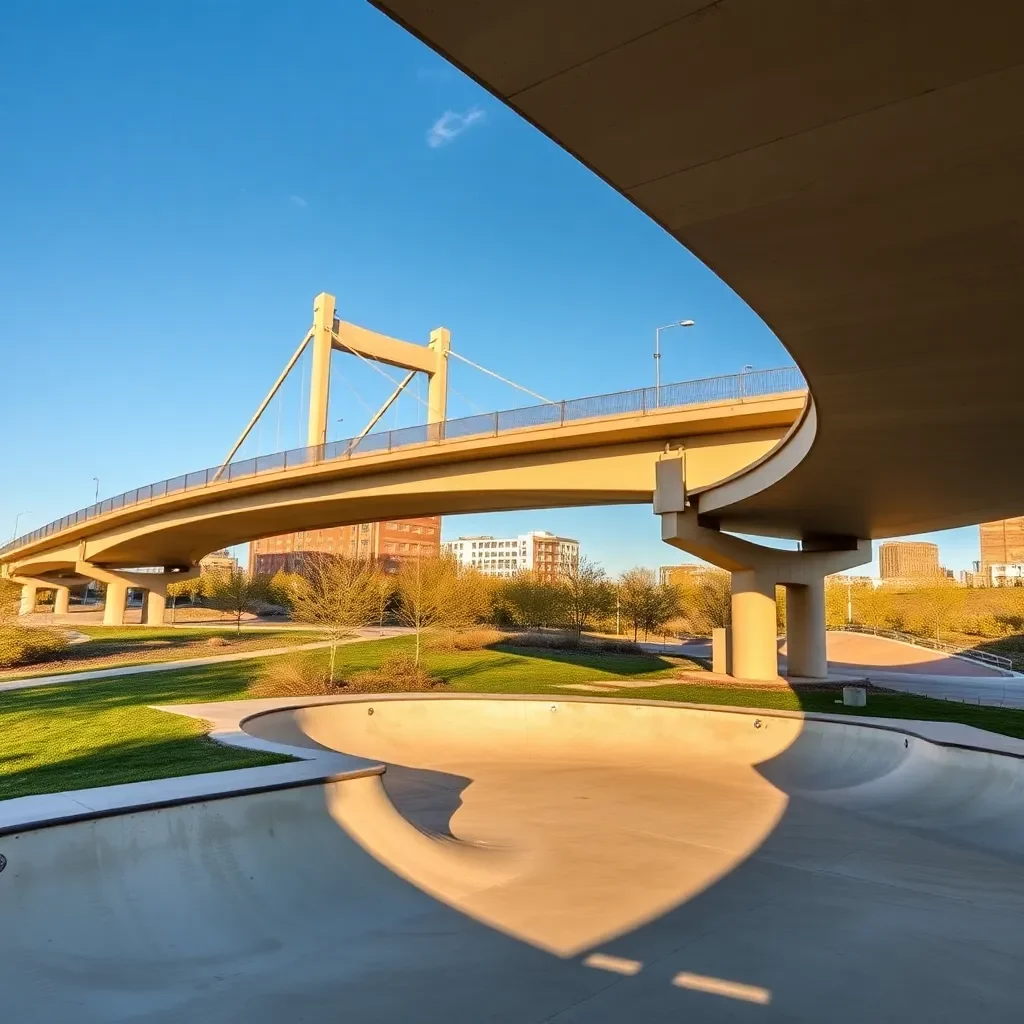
[756,571]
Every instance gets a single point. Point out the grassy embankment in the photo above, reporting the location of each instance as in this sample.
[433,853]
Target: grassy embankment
[101,732]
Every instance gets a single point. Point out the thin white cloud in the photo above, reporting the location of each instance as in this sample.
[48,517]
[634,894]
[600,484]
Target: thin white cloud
[450,125]
[298,201]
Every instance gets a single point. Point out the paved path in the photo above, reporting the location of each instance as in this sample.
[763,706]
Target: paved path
[168,666]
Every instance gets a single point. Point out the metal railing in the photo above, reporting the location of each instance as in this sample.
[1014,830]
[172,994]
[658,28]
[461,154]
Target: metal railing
[982,657]
[736,387]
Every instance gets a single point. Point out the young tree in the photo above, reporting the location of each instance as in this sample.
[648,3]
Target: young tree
[939,606]
[706,600]
[586,593]
[385,593]
[438,592]
[529,599]
[637,595]
[662,606]
[873,607]
[190,588]
[235,591]
[340,595]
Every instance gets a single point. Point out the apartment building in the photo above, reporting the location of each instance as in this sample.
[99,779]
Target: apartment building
[537,551]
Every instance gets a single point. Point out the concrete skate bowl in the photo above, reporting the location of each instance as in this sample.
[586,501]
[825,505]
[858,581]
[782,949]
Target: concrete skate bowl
[535,859]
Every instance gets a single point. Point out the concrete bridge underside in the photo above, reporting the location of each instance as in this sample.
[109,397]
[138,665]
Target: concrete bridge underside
[606,461]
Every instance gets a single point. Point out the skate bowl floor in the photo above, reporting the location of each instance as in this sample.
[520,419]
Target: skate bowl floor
[539,859]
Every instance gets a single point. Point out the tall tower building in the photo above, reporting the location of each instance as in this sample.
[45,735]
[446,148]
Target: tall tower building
[1002,543]
[908,560]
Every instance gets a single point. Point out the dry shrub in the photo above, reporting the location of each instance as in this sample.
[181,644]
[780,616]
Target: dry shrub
[450,640]
[571,642]
[21,645]
[294,677]
[217,641]
[308,677]
[397,673]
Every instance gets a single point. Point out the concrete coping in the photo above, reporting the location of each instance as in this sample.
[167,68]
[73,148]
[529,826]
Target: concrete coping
[314,765]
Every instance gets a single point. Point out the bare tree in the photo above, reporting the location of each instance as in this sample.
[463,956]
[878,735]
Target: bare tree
[340,595]
[940,606]
[190,588]
[438,592]
[586,593]
[706,600]
[636,590]
[873,607]
[385,592]
[235,591]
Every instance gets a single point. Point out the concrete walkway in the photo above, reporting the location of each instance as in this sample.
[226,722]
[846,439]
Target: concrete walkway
[168,666]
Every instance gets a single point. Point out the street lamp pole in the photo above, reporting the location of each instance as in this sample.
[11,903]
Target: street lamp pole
[96,481]
[657,355]
[27,512]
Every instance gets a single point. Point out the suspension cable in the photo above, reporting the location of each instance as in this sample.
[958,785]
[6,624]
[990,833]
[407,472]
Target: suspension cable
[373,365]
[498,376]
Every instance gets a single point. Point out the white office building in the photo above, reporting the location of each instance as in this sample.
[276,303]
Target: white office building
[537,551]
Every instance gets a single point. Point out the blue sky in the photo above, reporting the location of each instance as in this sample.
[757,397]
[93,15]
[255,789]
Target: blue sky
[179,179]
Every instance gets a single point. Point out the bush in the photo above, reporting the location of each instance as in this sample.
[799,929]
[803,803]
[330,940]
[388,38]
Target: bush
[307,677]
[217,641]
[23,645]
[465,639]
[397,673]
[571,642]
[294,677]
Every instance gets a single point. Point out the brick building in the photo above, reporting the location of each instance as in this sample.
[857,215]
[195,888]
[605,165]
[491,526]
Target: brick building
[908,560]
[393,541]
[1002,543]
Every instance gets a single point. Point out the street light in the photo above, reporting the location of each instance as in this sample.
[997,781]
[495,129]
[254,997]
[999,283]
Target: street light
[96,481]
[657,354]
[27,512]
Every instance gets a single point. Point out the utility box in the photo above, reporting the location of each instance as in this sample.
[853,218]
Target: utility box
[721,651]
[855,696]
[669,485]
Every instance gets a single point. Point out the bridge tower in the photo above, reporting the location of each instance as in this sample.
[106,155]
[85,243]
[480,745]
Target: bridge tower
[329,334]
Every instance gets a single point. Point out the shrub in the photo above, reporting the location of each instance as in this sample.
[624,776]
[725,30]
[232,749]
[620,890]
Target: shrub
[571,642]
[294,677]
[397,673]
[217,641]
[25,645]
[465,639]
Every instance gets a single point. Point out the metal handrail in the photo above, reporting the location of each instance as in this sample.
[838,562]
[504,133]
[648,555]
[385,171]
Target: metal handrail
[738,387]
[983,657]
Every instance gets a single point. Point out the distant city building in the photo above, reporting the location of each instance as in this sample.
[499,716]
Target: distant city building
[537,551]
[1007,575]
[218,561]
[1002,542]
[675,574]
[905,560]
[392,541]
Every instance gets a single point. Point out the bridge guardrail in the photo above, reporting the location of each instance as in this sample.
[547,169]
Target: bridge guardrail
[736,387]
[983,657]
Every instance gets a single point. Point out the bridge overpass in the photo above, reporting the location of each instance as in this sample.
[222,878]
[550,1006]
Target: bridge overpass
[586,451]
[852,170]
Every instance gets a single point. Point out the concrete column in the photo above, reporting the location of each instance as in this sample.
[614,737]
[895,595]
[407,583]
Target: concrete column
[755,654]
[61,600]
[805,629]
[437,389]
[154,604]
[320,368]
[29,592]
[113,607]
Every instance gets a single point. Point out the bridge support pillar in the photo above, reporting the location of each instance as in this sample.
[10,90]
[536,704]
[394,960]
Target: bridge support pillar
[61,600]
[29,593]
[754,649]
[114,604]
[756,571]
[805,629]
[154,604]
[154,584]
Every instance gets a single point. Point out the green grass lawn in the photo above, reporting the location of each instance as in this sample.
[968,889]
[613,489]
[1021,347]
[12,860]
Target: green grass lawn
[117,647]
[101,732]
